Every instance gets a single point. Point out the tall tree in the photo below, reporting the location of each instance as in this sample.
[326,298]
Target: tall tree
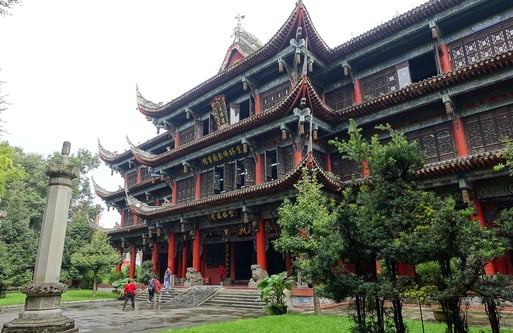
[310,210]
[96,256]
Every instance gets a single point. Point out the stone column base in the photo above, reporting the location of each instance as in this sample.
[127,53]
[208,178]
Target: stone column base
[54,325]
[42,313]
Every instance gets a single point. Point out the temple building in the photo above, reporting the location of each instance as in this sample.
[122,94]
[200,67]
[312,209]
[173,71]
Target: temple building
[205,191]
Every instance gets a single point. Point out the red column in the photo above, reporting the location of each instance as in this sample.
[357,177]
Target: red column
[405,270]
[118,266]
[196,251]
[177,139]
[357,92]
[122,222]
[184,259]
[328,163]
[489,268]
[197,194]
[171,252]
[288,264]
[445,60]
[298,153]
[136,219]
[365,169]
[259,169]
[154,258]
[138,179]
[133,254]
[257,103]
[173,194]
[260,245]
[459,137]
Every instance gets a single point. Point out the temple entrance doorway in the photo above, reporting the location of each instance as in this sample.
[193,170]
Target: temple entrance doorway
[244,257]
[275,261]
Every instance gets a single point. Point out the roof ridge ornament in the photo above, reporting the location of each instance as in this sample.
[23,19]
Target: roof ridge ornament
[238,29]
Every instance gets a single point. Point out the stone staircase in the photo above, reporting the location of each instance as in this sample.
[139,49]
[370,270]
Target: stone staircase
[236,297]
[142,296]
[217,296]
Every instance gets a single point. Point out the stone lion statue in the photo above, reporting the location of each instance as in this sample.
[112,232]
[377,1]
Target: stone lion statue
[193,278]
[257,275]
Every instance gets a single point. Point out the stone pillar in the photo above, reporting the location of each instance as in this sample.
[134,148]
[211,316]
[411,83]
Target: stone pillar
[42,312]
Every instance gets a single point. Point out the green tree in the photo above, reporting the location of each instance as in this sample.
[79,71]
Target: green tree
[297,220]
[78,234]
[96,256]
[391,204]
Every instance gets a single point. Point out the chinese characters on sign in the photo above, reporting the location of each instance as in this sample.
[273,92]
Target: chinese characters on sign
[219,157]
[223,215]
[219,111]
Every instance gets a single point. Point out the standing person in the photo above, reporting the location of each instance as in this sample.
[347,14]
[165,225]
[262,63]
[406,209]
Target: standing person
[130,291]
[151,289]
[167,279]
[221,272]
[158,288]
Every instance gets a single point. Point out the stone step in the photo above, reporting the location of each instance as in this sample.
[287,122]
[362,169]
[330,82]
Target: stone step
[233,297]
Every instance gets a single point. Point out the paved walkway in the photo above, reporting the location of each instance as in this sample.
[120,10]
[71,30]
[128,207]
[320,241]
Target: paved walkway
[107,316]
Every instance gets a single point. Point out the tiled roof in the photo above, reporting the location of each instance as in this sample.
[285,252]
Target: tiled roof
[276,186]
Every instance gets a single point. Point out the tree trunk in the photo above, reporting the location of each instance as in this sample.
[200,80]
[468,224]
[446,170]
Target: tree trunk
[95,275]
[398,316]
[493,315]
[317,303]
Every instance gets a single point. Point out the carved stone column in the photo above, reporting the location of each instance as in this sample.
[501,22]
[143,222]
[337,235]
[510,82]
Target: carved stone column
[42,312]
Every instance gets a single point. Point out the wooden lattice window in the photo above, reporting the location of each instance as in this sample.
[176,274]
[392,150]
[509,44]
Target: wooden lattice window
[340,98]
[131,178]
[485,131]
[128,218]
[273,96]
[186,135]
[436,142]
[145,174]
[483,44]
[380,84]
[345,169]
[207,183]
[185,190]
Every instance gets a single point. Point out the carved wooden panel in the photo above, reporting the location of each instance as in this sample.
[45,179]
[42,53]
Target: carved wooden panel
[437,142]
[282,157]
[229,175]
[250,167]
[340,98]
[207,183]
[131,178]
[379,84]
[482,45]
[185,189]
[485,131]
[273,96]
[198,129]
[145,174]
[128,218]
[344,169]
[186,135]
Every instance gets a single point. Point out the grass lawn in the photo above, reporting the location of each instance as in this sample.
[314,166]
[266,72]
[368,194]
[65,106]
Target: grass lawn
[74,295]
[307,323]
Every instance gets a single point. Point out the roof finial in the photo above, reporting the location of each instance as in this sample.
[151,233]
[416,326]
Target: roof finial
[238,29]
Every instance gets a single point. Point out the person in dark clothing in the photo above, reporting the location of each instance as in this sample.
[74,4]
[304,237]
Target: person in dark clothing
[151,289]
[129,293]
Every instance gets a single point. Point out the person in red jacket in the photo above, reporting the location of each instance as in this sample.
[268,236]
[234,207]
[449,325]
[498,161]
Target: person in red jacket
[130,291]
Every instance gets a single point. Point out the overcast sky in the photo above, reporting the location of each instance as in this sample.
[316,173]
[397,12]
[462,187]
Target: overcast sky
[70,67]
